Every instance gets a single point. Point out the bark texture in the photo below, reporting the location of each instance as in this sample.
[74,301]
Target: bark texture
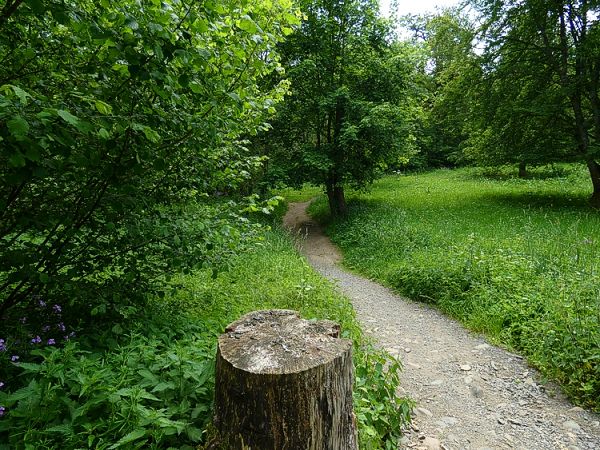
[284,383]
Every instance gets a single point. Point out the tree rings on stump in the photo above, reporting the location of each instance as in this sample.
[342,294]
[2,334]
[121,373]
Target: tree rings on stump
[284,383]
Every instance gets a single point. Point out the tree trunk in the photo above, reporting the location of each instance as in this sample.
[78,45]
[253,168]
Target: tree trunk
[284,383]
[337,200]
[522,170]
[594,169]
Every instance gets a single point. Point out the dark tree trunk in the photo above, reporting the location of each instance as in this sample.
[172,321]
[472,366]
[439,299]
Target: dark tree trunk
[522,170]
[337,200]
[594,169]
[284,383]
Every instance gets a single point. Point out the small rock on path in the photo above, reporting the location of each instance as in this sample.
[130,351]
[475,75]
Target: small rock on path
[470,395]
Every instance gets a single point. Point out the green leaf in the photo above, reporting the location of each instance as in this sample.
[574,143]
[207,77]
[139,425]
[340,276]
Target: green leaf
[235,97]
[16,160]
[151,135]
[18,126]
[103,133]
[37,6]
[248,25]
[32,153]
[102,107]
[68,117]
[21,94]
[129,437]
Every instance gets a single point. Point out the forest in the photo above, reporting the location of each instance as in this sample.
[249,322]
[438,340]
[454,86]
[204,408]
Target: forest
[149,149]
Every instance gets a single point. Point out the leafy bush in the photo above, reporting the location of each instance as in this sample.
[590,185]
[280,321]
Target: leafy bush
[152,392]
[147,382]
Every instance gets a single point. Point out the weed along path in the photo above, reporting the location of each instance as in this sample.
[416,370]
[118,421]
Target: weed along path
[469,394]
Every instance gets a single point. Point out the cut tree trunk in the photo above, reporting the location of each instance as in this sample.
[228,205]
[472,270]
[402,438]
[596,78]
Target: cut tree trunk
[284,383]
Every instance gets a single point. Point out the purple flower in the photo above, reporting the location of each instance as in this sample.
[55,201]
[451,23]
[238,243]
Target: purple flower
[42,303]
[61,326]
[14,358]
[1,384]
[46,328]
[36,340]
[51,341]
[2,345]
[57,309]
[2,409]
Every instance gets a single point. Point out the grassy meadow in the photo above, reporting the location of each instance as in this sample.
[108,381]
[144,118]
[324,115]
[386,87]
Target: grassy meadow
[516,259]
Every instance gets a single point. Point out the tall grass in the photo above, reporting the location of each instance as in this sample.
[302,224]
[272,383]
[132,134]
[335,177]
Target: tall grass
[517,259]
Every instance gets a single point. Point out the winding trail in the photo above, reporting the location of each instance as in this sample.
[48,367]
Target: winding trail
[470,395]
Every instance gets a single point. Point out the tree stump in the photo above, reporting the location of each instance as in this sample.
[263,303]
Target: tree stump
[284,383]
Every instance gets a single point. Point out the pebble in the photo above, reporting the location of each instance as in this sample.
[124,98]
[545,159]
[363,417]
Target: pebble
[465,367]
[407,350]
[571,425]
[424,412]
[573,447]
[468,379]
[431,443]
[413,365]
[501,421]
[447,421]
[437,382]
[476,391]
[482,347]
[576,409]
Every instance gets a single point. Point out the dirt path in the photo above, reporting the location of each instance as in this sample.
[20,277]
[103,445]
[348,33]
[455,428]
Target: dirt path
[470,395]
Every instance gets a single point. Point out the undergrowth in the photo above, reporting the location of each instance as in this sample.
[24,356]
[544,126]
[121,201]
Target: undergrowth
[517,259]
[148,382]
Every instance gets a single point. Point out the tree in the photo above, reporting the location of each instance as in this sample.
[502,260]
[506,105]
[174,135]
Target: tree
[344,118]
[451,70]
[116,118]
[551,52]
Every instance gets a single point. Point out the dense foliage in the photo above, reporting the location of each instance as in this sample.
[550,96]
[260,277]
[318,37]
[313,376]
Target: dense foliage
[115,118]
[516,259]
[149,384]
[347,115]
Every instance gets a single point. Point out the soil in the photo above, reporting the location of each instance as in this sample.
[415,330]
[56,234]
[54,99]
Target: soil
[470,394]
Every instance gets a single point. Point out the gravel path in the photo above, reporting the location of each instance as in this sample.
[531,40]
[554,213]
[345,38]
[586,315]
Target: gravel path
[470,395]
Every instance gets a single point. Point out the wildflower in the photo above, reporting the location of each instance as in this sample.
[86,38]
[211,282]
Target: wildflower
[42,303]
[1,384]
[61,326]
[2,345]
[36,340]
[57,309]
[2,410]
[46,328]
[14,358]
[51,341]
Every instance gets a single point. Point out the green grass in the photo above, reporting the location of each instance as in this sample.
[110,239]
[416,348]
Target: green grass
[516,259]
[149,382]
[307,192]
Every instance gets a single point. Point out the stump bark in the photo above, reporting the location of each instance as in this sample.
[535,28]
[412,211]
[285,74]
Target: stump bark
[284,383]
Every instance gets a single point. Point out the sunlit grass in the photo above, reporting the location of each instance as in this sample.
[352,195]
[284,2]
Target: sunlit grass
[516,259]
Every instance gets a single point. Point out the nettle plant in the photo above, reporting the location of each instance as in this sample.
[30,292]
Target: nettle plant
[41,325]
